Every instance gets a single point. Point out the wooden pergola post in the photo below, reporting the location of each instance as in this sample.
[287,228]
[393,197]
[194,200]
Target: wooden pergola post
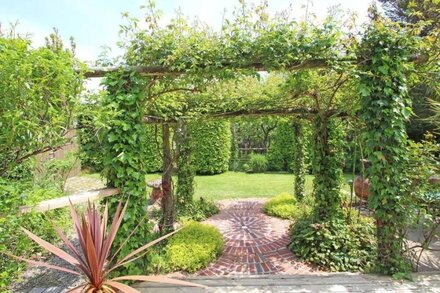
[168,203]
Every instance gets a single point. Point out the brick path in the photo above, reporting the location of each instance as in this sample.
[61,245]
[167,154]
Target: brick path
[254,243]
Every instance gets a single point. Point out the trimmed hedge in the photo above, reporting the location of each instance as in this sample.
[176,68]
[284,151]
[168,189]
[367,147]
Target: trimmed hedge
[281,153]
[153,149]
[212,146]
[194,247]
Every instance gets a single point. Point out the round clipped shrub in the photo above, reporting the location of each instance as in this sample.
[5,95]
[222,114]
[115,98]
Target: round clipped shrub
[282,206]
[194,247]
[335,245]
[258,163]
[212,146]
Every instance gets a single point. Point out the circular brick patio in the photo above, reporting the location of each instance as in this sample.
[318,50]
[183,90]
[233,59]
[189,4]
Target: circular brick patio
[254,242]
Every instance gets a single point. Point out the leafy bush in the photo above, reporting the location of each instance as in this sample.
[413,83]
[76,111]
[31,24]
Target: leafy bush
[14,194]
[95,252]
[335,245]
[212,146]
[36,111]
[199,210]
[53,173]
[258,163]
[90,138]
[194,247]
[283,206]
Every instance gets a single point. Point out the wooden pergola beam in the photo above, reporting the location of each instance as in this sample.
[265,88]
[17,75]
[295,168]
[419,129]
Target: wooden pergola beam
[64,201]
[158,70]
[302,112]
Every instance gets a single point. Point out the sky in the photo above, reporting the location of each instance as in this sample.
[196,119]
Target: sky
[95,23]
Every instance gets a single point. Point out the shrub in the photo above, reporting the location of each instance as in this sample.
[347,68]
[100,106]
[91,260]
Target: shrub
[335,245]
[14,194]
[194,247]
[199,210]
[282,206]
[258,163]
[212,146]
[53,173]
[95,252]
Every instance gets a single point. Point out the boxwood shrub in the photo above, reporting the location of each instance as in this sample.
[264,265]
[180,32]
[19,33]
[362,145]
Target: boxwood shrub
[212,146]
[282,206]
[257,163]
[194,247]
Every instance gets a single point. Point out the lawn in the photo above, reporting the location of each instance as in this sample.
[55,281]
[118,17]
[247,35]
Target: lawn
[244,185]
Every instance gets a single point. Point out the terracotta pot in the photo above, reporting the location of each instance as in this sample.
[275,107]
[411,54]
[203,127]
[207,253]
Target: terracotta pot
[362,187]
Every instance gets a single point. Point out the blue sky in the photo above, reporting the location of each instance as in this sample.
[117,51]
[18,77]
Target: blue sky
[94,23]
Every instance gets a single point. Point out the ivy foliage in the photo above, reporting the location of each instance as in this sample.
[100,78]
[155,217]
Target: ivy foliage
[328,163]
[335,245]
[124,145]
[185,168]
[212,146]
[91,136]
[386,108]
[299,164]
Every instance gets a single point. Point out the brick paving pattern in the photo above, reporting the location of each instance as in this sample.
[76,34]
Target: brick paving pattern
[254,242]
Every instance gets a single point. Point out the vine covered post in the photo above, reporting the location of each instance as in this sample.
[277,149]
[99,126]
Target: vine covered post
[299,169]
[328,160]
[124,148]
[385,109]
[168,204]
[185,169]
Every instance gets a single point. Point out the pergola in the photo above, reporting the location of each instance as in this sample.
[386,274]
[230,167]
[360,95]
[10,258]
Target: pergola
[384,125]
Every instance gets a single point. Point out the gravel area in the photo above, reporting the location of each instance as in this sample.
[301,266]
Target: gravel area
[38,277]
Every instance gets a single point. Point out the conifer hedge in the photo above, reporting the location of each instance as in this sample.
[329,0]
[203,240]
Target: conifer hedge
[212,146]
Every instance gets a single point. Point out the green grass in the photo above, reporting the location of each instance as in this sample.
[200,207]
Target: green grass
[244,185]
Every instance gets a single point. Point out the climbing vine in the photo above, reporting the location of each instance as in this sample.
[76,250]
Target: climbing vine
[299,165]
[190,54]
[185,168]
[124,146]
[328,161]
[386,107]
